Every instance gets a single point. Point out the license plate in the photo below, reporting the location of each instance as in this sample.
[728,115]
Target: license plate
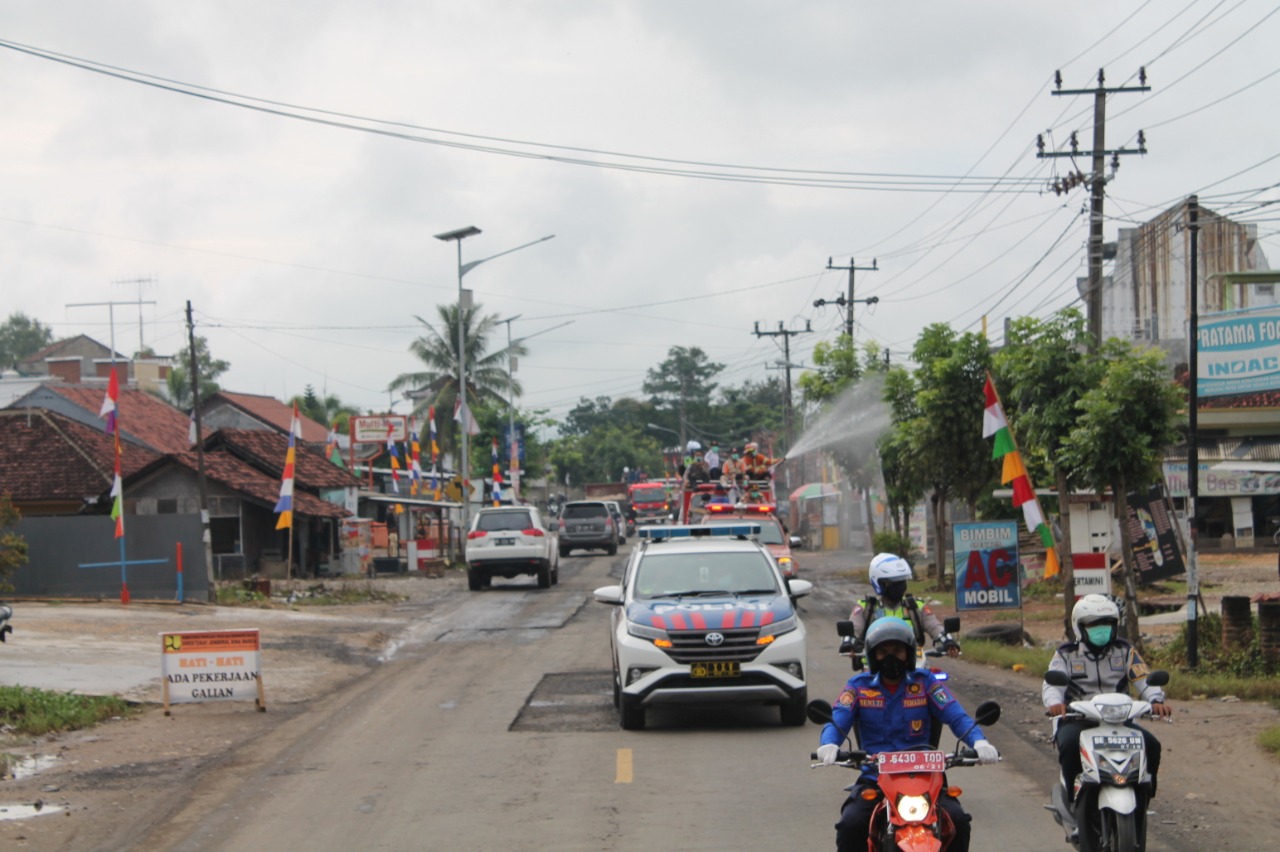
[501,542]
[718,668]
[1123,743]
[911,761]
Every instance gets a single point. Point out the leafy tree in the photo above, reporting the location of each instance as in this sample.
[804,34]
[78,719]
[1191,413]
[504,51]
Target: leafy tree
[327,409]
[904,479]
[437,383]
[683,384]
[601,454]
[1125,422]
[179,380]
[20,336]
[13,547]
[750,411]
[1043,371]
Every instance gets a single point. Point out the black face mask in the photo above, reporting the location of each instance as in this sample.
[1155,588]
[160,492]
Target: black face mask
[891,668]
[893,590]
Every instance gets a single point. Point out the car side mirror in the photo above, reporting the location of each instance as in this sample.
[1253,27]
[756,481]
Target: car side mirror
[796,542]
[611,595]
[798,588]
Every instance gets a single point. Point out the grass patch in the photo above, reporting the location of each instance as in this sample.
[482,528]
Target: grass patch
[321,595]
[1033,661]
[234,594]
[36,712]
[1270,740]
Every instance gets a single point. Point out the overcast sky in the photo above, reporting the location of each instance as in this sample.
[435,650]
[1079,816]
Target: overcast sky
[903,132]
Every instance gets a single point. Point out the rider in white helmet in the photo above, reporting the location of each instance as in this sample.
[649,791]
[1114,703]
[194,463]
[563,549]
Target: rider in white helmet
[889,576]
[1098,661]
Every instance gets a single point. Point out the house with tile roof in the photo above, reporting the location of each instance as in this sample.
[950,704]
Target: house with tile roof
[225,409]
[145,419]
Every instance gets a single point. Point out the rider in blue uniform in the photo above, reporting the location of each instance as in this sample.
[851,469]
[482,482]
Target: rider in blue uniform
[894,706]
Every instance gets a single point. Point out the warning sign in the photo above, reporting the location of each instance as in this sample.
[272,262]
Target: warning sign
[211,665]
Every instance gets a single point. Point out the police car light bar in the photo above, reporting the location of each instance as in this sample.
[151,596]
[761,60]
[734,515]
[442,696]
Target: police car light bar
[660,533]
[761,508]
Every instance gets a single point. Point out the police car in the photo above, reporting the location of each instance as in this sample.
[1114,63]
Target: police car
[704,615]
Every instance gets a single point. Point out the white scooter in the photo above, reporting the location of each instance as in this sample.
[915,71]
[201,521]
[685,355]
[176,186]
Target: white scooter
[1109,813]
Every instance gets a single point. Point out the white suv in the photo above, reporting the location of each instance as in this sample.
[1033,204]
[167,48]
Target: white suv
[507,541]
[704,615]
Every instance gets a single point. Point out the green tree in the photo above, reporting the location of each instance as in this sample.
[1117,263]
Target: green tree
[13,547]
[1043,371]
[752,410]
[20,336]
[437,383]
[904,479]
[179,380]
[1125,423]
[327,409]
[682,384]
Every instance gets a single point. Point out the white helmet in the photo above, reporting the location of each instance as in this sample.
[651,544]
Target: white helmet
[1090,609]
[888,567]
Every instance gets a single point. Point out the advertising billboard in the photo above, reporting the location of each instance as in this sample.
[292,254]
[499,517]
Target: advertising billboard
[1238,352]
[986,565]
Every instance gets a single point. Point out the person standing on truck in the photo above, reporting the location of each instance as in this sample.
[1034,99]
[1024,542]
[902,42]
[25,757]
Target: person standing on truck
[757,463]
[698,470]
[712,458]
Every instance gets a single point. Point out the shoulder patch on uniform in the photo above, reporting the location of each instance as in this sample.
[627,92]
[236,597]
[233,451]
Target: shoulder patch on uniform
[846,698]
[926,610]
[941,695]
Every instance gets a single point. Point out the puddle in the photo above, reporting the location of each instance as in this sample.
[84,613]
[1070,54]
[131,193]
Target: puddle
[9,812]
[17,768]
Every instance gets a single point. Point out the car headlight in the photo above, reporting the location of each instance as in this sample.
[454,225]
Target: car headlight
[772,631]
[1115,713]
[655,634]
[913,808]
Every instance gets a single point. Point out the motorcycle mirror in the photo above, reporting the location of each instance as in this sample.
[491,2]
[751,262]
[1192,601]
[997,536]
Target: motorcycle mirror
[819,711]
[1158,677]
[1054,677]
[952,624]
[844,628]
[988,713]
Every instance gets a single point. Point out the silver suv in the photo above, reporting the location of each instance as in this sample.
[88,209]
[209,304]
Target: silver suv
[587,524]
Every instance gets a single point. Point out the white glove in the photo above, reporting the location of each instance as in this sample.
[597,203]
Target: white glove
[827,753]
[986,752]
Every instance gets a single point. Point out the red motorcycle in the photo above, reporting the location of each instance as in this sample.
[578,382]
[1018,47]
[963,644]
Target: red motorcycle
[906,816]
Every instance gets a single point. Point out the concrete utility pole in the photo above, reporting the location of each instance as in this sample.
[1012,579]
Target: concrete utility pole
[1097,181]
[786,335]
[202,481]
[842,301]
[1193,447]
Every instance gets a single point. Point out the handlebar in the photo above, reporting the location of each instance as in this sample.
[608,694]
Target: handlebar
[861,760]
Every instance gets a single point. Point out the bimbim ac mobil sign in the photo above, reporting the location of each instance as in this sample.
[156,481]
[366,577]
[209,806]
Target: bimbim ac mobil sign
[1238,352]
[986,563]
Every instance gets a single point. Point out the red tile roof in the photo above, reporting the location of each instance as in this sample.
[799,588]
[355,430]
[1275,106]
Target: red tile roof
[270,410]
[143,416]
[45,456]
[1261,399]
[266,451]
[239,475]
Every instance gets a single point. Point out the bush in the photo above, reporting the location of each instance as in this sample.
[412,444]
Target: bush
[38,712]
[888,541]
[1245,662]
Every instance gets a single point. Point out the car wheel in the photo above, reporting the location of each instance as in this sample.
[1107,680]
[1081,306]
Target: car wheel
[544,576]
[564,551]
[613,550]
[474,581]
[794,710]
[617,691]
[555,575]
[631,713]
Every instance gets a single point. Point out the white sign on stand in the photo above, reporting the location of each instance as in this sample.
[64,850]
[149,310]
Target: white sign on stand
[1092,576]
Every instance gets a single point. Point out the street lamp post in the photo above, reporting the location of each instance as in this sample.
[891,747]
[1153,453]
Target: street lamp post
[513,454]
[464,464]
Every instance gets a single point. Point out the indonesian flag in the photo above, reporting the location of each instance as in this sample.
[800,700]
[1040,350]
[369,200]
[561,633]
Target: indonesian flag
[395,460]
[110,404]
[117,494]
[284,506]
[1014,474]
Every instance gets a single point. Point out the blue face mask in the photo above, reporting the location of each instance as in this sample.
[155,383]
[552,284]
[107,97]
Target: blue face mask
[1099,635]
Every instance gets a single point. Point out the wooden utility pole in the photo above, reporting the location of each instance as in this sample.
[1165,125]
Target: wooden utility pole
[1097,182]
[786,334]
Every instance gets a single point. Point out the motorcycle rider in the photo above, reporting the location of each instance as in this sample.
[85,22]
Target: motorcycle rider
[1099,661]
[894,706]
[889,576]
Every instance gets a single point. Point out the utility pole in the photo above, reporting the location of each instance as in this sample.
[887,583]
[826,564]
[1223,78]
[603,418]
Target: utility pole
[1193,447]
[1097,181]
[786,335]
[842,300]
[201,480]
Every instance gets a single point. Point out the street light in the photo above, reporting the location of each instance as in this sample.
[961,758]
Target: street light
[464,466]
[512,450]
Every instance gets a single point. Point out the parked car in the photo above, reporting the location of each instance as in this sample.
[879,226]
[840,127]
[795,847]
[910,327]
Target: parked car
[703,615]
[587,524]
[508,541]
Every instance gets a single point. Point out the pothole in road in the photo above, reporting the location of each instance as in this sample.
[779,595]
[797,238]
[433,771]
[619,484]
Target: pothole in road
[569,702]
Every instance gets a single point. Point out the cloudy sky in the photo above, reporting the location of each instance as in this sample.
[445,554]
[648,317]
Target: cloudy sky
[697,161]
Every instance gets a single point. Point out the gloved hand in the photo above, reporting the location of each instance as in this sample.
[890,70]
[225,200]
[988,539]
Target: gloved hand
[827,753]
[986,752]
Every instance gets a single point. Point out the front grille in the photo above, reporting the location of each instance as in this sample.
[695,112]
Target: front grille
[690,646]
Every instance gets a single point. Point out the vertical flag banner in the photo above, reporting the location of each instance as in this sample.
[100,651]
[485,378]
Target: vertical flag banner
[331,445]
[395,460]
[111,410]
[111,402]
[435,452]
[466,418]
[497,474]
[191,428]
[1015,473]
[415,462]
[284,506]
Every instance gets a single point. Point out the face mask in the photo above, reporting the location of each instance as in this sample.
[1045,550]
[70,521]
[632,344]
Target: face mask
[893,591]
[891,668]
[1099,635]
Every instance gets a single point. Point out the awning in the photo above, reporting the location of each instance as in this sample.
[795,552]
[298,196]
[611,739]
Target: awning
[814,490]
[405,500]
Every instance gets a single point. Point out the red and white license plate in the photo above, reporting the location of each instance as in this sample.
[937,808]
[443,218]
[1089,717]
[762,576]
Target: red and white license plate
[911,761]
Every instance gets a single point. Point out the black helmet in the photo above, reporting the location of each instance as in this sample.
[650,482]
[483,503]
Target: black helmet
[890,629]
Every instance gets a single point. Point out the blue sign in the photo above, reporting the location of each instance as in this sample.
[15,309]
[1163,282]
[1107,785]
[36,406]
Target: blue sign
[986,564]
[1238,352]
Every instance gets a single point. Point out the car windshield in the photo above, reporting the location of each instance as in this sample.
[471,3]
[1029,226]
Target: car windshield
[670,574]
[497,521]
[649,494]
[770,531]
[586,510]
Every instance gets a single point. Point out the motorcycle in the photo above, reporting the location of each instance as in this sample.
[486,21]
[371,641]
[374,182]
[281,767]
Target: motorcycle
[1109,811]
[6,613]
[908,783]
[852,648]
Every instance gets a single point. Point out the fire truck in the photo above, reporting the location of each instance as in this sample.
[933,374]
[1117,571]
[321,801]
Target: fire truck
[712,503]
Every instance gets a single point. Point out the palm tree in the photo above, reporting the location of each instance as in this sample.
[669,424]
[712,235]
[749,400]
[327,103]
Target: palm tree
[437,384]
